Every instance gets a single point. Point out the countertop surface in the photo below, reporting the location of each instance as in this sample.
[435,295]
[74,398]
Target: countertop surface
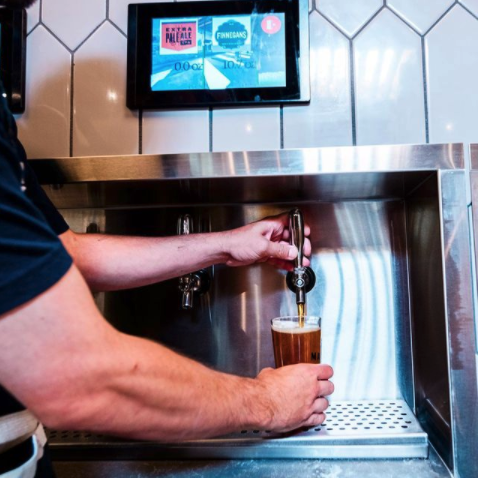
[416,468]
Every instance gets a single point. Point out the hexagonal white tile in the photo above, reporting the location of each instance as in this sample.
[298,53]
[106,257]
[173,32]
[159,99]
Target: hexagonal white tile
[471,4]
[452,66]
[164,132]
[72,20]
[390,105]
[118,11]
[421,15]
[44,128]
[33,16]
[246,129]
[349,16]
[102,123]
[327,120]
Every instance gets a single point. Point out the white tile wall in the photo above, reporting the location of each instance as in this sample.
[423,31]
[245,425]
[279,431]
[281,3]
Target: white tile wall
[118,11]
[382,97]
[169,132]
[73,21]
[327,120]
[452,67]
[101,122]
[33,16]
[389,83]
[44,128]
[421,15]
[246,129]
[470,4]
[349,16]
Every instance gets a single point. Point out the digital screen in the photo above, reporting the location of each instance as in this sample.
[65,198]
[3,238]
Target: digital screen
[218,52]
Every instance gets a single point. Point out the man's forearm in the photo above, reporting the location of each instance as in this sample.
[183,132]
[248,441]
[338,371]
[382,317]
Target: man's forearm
[149,392]
[73,370]
[121,262]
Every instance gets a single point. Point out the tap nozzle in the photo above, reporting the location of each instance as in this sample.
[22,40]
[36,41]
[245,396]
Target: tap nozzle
[196,282]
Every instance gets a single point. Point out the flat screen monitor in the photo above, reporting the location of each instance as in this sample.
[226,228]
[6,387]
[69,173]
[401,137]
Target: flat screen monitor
[191,54]
[13,56]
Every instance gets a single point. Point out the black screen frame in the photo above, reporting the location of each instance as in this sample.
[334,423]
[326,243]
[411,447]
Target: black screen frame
[139,93]
[13,56]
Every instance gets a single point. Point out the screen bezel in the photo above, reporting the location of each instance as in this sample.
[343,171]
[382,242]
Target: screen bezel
[140,16]
[13,56]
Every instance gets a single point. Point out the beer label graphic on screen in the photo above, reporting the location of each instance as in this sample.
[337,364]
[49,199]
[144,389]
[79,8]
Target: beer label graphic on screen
[231,33]
[178,37]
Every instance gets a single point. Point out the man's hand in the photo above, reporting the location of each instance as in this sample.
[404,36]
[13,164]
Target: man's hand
[266,240]
[296,395]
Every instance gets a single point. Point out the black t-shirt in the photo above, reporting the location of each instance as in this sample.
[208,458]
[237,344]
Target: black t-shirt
[32,258]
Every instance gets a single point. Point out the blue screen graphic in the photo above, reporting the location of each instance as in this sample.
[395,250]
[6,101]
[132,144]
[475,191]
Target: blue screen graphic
[218,52]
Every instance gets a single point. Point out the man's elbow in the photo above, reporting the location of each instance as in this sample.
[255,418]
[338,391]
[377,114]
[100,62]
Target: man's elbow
[61,414]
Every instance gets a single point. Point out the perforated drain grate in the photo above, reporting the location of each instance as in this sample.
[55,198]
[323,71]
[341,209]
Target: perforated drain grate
[367,429]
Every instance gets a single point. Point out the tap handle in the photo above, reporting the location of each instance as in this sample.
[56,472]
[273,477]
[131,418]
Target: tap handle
[296,229]
[185,225]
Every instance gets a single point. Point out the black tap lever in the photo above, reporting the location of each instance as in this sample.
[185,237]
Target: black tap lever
[302,279]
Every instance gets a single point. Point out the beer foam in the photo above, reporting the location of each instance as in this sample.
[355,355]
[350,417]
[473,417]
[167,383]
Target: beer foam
[291,327]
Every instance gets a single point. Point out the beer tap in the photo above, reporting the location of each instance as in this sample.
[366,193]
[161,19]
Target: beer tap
[195,282]
[302,279]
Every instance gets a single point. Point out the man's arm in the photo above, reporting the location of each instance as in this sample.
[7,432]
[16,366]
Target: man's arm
[120,262]
[63,361]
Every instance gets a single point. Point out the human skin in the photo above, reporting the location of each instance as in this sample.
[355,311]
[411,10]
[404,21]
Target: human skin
[117,262]
[74,371]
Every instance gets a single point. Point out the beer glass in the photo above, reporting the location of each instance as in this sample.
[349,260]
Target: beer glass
[295,344]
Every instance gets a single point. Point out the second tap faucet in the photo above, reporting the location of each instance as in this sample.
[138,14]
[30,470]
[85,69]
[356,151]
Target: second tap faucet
[195,282]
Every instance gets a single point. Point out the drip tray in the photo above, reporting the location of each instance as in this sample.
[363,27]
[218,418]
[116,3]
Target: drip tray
[365,429]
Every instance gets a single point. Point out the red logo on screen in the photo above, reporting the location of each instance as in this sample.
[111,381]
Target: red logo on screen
[178,36]
[271,24]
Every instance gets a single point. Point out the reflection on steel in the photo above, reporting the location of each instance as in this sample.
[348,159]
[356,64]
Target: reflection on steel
[459,318]
[257,163]
[389,247]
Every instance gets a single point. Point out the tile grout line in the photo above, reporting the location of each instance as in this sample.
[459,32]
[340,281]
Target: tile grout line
[92,33]
[404,21]
[441,17]
[113,24]
[58,39]
[336,27]
[140,131]
[33,29]
[425,89]
[369,21]
[468,10]
[352,92]
[72,102]
[210,128]
[281,126]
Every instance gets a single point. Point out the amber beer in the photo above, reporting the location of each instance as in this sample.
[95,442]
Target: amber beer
[294,344]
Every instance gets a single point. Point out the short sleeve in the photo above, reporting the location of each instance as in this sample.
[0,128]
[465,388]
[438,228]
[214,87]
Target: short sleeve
[38,197]
[32,258]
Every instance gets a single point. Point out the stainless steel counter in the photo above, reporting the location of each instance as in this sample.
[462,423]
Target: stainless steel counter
[393,282]
[430,468]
